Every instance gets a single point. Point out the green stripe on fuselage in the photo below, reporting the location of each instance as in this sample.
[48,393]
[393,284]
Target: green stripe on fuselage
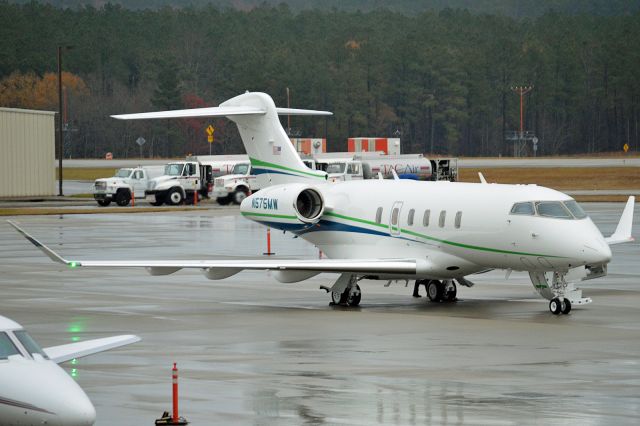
[274,216]
[260,163]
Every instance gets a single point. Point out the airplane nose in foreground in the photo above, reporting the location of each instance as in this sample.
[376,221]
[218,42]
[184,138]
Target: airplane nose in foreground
[79,412]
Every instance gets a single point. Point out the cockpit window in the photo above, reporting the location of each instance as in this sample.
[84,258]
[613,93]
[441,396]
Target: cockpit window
[553,209]
[29,344]
[523,208]
[7,348]
[575,209]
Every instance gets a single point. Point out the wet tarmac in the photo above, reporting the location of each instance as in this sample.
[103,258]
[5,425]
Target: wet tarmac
[253,351]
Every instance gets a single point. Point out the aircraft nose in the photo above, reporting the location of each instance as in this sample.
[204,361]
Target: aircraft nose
[597,253]
[79,412]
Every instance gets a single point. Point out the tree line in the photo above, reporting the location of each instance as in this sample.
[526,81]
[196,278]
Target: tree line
[440,79]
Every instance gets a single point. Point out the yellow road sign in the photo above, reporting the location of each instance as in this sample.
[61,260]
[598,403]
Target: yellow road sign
[210,139]
[625,147]
[210,130]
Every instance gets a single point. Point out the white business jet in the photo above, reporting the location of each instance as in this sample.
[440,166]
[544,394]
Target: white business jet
[437,232]
[34,390]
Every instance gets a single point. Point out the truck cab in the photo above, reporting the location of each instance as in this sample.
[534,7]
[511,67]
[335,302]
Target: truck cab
[235,187]
[180,183]
[125,184]
[344,170]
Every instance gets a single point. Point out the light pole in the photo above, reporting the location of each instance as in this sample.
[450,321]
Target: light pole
[60,140]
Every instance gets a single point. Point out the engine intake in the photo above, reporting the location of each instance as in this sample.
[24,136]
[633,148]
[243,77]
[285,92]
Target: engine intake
[309,205]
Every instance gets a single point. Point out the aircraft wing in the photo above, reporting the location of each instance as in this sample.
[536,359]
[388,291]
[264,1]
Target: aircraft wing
[64,353]
[622,233]
[288,270]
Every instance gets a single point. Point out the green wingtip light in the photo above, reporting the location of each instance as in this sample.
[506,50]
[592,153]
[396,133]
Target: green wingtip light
[73,265]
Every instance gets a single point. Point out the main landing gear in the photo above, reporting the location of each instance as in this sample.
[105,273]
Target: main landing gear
[345,291]
[440,291]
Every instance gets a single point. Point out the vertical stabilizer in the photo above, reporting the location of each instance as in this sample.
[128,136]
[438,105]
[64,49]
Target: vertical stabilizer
[274,159]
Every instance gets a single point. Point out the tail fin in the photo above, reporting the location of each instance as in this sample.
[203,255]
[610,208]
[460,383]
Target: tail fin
[273,157]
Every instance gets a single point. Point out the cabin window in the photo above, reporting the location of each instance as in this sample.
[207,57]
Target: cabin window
[443,217]
[29,344]
[553,209]
[425,218]
[379,215]
[7,348]
[458,219]
[394,216]
[523,208]
[353,169]
[412,213]
[575,209]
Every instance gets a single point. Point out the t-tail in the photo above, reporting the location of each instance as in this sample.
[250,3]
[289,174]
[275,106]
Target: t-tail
[273,157]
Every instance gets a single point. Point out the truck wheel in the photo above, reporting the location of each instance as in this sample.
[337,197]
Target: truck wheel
[158,201]
[103,203]
[239,195]
[223,201]
[175,197]
[123,197]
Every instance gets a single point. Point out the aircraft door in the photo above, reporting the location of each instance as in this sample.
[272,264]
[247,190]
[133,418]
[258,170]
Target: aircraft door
[394,219]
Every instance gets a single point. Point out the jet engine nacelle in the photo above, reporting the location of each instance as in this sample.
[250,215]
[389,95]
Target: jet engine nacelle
[287,207]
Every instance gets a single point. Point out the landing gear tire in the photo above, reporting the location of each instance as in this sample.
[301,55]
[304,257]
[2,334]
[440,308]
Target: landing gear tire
[123,198]
[435,290]
[566,308]
[354,296]
[338,298]
[450,293]
[175,197]
[103,203]
[555,306]
[350,296]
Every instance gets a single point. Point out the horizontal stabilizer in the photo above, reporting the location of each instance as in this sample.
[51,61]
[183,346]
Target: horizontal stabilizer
[64,353]
[622,233]
[227,111]
[196,112]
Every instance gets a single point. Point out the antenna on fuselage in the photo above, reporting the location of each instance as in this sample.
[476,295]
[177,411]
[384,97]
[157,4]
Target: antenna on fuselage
[482,179]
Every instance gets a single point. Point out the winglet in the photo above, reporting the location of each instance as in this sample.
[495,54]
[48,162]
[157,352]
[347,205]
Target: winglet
[50,253]
[482,179]
[622,233]
[69,351]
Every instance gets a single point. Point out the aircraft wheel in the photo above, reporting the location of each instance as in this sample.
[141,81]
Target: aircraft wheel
[338,298]
[451,291]
[566,308]
[555,306]
[354,296]
[435,290]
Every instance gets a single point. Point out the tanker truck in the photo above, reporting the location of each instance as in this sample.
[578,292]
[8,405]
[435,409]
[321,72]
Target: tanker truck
[408,166]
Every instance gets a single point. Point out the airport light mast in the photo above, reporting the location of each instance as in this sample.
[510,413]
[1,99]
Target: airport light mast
[521,137]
